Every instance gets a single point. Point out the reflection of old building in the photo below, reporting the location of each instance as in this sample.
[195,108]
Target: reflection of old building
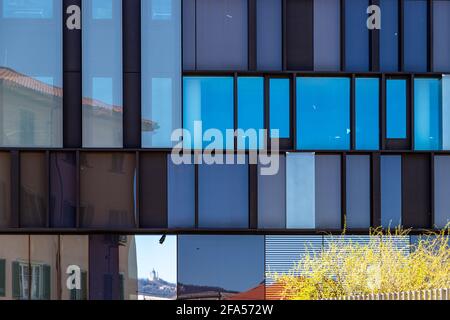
[34,267]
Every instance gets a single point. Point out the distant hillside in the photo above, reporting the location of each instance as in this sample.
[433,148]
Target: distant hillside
[157,288]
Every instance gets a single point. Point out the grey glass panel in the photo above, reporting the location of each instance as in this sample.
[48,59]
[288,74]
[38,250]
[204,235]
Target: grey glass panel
[441,38]
[161,71]
[328,191]
[223,196]
[327,35]
[107,190]
[189,34]
[391,191]
[441,191]
[102,73]
[31,73]
[268,34]
[272,198]
[358,191]
[181,194]
[222,35]
[300,191]
[33,190]
[5,190]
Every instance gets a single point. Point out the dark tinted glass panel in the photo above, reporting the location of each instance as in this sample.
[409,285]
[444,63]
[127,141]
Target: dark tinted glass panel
[272,197]
[209,100]
[396,109]
[161,71]
[63,204]
[189,35]
[33,189]
[31,73]
[358,191]
[102,73]
[107,190]
[323,113]
[221,34]
[327,34]
[112,267]
[268,19]
[441,187]
[280,107]
[250,111]
[389,35]
[356,35]
[5,190]
[415,35]
[181,194]
[427,114]
[208,265]
[391,191]
[223,196]
[367,111]
[441,40]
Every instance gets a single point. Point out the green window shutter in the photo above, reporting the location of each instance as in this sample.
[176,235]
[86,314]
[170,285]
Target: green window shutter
[121,287]
[46,278]
[16,280]
[2,278]
[84,285]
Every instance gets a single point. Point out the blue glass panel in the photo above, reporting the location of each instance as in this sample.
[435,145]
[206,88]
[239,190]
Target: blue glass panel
[102,73]
[323,113]
[441,39]
[415,35]
[217,266]
[356,35]
[280,106]
[427,114]
[358,191]
[300,191]
[223,196]
[391,191]
[31,9]
[389,35]
[327,35]
[250,110]
[161,71]
[445,83]
[396,109]
[441,187]
[210,100]
[268,19]
[367,113]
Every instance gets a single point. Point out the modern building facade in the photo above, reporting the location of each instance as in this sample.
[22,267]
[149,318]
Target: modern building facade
[91,92]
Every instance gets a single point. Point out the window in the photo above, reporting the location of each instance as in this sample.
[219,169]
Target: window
[215,35]
[43,253]
[367,114]
[389,36]
[391,191]
[358,191]
[102,73]
[441,187]
[272,198]
[415,35]
[33,190]
[280,107]
[356,35]
[31,73]
[327,34]
[74,251]
[223,196]
[211,101]
[5,190]
[161,71]
[268,33]
[63,174]
[250,111]
[396,109]
[107,197]
[441,41]
[427,114]
[220,267]
[323,113]
[313,191]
